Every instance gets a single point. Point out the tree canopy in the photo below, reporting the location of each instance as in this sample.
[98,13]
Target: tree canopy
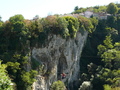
[76,8]
[112,8]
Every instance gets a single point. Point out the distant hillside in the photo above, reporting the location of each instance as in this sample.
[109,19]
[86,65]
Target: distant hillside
[95,9]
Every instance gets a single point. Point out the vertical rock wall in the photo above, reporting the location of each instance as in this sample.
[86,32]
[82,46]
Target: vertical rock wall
[59,55]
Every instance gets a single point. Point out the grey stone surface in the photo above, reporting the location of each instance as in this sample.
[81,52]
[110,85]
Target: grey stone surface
[59,55]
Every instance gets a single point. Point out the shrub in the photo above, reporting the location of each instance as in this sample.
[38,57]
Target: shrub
[58,85]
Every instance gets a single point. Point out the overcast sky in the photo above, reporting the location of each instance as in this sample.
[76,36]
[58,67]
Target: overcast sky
[31,8]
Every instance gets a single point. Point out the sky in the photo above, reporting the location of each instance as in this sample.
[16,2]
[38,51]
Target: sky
[43,8]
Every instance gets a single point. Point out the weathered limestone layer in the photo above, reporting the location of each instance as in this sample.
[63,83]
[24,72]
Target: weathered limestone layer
[59,55]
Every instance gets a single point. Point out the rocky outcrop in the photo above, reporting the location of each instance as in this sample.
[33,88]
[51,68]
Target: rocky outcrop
[57,56]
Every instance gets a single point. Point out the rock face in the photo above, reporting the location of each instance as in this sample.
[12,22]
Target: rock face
[59,55]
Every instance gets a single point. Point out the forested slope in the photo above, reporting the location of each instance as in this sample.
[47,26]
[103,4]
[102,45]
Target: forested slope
[100,61]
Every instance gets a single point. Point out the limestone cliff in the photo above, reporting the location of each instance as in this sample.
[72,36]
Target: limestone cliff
[57,56]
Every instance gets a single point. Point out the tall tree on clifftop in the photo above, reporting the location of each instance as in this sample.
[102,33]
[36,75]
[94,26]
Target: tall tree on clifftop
[76,8]
[112,9]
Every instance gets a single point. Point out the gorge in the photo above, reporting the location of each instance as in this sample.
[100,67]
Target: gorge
[60,52]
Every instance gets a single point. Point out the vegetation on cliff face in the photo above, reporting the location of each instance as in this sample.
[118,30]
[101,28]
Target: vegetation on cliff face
[5,81]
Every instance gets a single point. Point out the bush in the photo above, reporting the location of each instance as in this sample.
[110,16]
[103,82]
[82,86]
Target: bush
[58,85]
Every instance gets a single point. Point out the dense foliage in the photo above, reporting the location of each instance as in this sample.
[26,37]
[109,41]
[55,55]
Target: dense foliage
[5,82]
[112,8]
[100,61]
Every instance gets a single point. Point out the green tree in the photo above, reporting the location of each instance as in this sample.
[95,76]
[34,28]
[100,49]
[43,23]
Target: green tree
[28,78]
[111,21]
[107,75]
[102,9]
[62,27]
[86,23]
[105,51]
[73,25]
[76,8]
[112,9]
[17,23]
[108,42]
[5,82]
[49,24]
[16,18]
[12,69]
[94,22]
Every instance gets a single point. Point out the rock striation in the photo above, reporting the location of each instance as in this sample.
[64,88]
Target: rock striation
[57,56]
